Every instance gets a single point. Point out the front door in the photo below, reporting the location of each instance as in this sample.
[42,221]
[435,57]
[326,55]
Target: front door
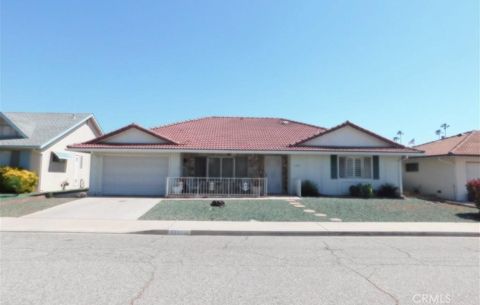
[273,171]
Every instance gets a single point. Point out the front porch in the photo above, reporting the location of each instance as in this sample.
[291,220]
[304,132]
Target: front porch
[230,175]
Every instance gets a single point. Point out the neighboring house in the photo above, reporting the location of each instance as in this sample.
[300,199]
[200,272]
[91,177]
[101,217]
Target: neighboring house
[38,141]
[240,156]
[446,167]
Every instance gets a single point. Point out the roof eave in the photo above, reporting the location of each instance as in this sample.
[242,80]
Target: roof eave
[293,152]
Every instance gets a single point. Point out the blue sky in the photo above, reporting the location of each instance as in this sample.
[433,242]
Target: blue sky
[386,65]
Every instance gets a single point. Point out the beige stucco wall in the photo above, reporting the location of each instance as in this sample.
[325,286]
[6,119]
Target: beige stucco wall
[461,175]
[51,181]
[435,176]
[317,169]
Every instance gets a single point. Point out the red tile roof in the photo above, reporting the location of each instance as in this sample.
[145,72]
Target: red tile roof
[241,134]
[464,144]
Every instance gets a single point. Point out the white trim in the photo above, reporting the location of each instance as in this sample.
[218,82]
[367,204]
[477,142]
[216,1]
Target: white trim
[259,152]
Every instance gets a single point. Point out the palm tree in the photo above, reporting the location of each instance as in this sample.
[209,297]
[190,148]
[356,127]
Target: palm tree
[399,135]
[444,126]
[438,132]
[396,139]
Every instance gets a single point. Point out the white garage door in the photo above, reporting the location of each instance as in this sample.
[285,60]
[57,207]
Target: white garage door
[473,170]
[137,176]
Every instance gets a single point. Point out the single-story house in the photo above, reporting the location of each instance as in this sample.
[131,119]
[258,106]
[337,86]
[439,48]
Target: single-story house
[240,156]
[38,142]
[446,167]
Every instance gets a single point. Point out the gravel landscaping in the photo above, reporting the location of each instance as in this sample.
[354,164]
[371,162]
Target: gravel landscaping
[391,210]
[234,210]
[26,205]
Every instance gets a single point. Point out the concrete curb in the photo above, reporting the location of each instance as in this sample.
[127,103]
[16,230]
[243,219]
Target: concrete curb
[231,228]
[268,233]
[302,233]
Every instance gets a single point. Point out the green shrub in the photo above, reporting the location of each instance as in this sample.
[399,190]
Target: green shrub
[361,190]
[473,191]
[355,190]
[388,190]
[16,180]
[366,191]
[309,189]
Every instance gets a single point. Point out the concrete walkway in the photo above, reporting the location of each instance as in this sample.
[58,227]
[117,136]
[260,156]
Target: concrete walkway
[30,224]
[105,208]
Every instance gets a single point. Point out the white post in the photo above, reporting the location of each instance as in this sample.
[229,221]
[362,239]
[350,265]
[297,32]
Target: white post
[166,191]
[265,187]
[299,188]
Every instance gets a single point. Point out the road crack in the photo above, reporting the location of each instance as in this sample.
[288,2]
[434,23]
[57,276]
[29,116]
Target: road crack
[147,283]
[338,260]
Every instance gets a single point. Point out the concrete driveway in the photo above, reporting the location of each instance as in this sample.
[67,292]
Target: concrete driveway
[116,208]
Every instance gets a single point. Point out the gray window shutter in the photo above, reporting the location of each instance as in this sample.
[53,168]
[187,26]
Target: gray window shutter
[376,168]
[333,166]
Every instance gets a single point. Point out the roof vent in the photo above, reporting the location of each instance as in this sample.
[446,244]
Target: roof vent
[285,122]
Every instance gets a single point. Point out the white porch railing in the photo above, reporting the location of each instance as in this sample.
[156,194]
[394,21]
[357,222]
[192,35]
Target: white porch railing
[216,187]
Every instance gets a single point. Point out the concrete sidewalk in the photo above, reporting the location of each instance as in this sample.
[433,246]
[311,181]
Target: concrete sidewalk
[9,224]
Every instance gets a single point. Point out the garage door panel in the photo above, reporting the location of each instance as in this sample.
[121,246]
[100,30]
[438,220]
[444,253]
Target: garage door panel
[134,175]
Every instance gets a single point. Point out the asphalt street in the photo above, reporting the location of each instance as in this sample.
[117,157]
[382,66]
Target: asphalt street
[97,269]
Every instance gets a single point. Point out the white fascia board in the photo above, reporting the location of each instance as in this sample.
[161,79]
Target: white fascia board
[259,152]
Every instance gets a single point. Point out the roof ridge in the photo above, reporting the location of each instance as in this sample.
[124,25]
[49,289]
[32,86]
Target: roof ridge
[449,137]
[177,123]
[237,117]
[470,133]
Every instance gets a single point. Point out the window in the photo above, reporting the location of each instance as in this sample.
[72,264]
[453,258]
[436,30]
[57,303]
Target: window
[241,167]
[10,158]
[200,167]
[411,167]
[355,167]
[57,164]
[227,167]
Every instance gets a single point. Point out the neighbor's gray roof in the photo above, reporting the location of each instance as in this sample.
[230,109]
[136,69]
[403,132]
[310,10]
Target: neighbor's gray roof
[41,128]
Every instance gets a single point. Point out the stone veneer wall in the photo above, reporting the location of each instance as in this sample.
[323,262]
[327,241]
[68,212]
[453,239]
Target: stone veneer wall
[256,167]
